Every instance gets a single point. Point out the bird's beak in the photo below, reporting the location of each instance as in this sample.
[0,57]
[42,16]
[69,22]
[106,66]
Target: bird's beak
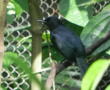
[42,21]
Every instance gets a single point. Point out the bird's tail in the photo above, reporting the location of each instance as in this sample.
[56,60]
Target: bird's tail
[82,65]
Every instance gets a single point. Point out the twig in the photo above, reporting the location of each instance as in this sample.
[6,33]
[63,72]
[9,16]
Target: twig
[43,70]
[62,66]
[51,77]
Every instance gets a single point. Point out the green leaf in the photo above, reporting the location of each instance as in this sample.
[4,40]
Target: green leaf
[19,61]
[108,52]
[7,60]
[16,59]
[75,12]
[20,6]
[108,87]
[107,8]
[97,0]
[46,36]
[96,29]
[55,53]
[94,74]
[10,15]
[76,28]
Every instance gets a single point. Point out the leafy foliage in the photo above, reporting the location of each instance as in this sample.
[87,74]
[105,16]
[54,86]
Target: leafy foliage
[20,6]
[10,13]
[94,74]
[75,12]
[97,0]
[14,58]
[95,30]
[8,61]
[108,88]
[78,15]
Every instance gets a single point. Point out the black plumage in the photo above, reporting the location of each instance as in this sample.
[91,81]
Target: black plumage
[67,42]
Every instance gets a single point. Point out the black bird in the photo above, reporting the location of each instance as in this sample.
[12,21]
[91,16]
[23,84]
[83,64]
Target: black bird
[67,42]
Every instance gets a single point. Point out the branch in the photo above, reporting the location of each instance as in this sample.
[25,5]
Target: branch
[3,5]
[51,77]
[35,13]
[62,66]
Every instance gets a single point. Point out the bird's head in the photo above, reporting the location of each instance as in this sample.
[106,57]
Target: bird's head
[52,22]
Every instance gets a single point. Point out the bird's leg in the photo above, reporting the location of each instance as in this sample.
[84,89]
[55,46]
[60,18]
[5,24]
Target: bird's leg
[82,65]
[63,65]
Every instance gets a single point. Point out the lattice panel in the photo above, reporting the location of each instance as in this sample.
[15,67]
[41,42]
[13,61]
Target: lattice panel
[48,7]
[105,81]
[100,5]
[18,39]
[12,79]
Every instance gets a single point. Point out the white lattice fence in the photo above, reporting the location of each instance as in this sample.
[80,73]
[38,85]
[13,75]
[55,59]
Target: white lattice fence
[18,39]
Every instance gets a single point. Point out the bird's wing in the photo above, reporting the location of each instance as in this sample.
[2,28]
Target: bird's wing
[64,45]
